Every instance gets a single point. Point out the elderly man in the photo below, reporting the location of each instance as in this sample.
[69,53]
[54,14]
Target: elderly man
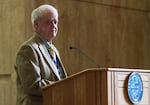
[38,62]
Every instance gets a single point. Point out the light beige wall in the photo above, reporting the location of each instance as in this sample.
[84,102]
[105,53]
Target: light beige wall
[115,33]
[11,31]
[12,35]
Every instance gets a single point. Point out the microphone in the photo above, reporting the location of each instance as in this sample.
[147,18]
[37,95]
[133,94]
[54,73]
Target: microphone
[84,54]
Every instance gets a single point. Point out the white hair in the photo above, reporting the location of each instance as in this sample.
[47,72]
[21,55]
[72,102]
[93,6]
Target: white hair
[39,11]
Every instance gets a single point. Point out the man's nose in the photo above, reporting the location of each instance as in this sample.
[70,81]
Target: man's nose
[53,24]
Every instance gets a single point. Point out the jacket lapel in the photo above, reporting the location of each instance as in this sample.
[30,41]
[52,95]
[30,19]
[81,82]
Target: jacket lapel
[49,60]
[47,57]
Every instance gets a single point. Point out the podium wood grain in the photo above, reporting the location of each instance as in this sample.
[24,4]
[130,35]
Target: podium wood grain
[97,86]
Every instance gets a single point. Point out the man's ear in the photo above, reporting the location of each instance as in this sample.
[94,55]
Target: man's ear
[36,24]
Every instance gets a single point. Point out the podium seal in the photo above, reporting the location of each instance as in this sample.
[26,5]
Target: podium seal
[135,88]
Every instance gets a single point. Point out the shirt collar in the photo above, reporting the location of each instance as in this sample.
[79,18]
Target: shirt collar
[46,43]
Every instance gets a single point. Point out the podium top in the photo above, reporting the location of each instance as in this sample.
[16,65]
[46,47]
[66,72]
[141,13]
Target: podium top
[99,70]
[128,70]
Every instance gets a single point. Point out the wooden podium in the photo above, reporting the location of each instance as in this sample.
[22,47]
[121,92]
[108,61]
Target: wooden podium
[97,86]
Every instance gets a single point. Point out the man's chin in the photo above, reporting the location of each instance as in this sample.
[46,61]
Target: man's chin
[53,36]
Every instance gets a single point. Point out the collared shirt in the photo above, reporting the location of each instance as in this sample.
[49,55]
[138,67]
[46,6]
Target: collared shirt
[46,43]
[48,46]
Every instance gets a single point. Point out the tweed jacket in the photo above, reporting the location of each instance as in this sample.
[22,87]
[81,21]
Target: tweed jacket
[34,69]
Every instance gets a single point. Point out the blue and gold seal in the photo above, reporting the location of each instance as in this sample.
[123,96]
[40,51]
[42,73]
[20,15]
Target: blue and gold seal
[135,88]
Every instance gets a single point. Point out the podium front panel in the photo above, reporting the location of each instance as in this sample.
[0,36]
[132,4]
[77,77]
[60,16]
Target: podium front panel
[97,87]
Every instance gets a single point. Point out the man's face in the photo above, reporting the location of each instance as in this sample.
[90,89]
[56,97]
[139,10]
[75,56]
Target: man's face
[47,25]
